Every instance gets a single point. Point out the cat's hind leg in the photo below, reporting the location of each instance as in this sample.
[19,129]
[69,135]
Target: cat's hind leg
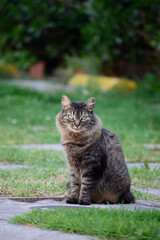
[127,197]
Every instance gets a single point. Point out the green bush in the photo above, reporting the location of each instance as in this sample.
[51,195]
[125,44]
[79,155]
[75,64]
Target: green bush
[149,85]
[42,30]
[126,29]
[49,30]
[86,63]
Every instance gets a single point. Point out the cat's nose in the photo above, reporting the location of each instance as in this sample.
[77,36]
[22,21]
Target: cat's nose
[76,124]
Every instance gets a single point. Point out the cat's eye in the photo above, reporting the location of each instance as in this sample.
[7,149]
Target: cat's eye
[70,116]
[84,117]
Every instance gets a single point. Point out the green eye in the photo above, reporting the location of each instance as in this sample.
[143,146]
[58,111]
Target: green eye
[84,117]
[70,116]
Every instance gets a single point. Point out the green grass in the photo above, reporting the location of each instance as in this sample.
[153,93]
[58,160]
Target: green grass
[106,223]
[138,153]
[145,196]
[32,183]
[47,177]
[49,174]
[131,116]
[11,134]
[145,178]
[33,157]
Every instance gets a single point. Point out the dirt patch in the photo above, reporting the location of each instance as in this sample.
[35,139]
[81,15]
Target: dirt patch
[33,199]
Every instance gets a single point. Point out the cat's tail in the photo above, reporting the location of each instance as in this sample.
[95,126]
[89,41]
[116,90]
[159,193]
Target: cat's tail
[127,197]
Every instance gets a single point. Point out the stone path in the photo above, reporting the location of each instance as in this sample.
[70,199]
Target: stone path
[8,231]
[54,146]
[152,146]
[59,148]
[129,165]
[140,205]
[10,208]
[139,165]
[13,167]
[46,146]
[40,85]
[149,191]
[156,105]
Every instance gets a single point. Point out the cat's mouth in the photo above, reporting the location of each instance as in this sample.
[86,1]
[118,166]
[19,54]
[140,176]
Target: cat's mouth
[76,129]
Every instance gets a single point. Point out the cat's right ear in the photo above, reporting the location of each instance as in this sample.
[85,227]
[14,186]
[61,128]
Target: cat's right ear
[90,103]
[66,102]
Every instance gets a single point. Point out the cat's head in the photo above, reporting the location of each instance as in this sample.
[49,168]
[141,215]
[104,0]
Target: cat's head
[77,116]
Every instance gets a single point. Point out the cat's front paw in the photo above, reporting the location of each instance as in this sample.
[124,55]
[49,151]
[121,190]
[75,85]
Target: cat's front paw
[84,201]
[72,199]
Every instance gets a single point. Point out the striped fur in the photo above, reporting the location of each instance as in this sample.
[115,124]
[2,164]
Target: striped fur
[98,171]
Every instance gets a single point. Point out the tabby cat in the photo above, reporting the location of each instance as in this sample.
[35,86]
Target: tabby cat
[98,171]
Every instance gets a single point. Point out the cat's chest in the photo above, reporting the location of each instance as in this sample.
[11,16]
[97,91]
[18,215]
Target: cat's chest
[74,149]
[75,154]
[80,155]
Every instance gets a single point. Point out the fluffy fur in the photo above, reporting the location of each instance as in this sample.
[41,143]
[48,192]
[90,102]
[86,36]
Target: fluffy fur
[98,171]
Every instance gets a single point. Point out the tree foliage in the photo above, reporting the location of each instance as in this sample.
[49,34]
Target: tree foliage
[42,29]
[127,29]
[112,30]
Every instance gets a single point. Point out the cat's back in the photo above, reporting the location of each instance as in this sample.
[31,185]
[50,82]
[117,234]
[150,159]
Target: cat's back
[113,146]
[111,139]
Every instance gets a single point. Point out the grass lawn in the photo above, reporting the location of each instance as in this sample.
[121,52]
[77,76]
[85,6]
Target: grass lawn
[34,157]
[47,177]
[132,117]
[50,173]
[27,116]
[106,223]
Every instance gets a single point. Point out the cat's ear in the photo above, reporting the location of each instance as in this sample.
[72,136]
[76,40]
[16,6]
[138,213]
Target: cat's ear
[66,102]
[89,104]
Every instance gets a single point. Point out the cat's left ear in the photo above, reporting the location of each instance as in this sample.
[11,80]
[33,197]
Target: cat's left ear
[66,102]
[90,103]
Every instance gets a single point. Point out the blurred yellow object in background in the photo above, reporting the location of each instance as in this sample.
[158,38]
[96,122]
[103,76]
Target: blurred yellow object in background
[103,82]
[8,70]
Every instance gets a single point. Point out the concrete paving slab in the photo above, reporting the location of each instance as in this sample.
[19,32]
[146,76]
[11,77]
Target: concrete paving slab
[13,167]
[8,231]
[40,85]
[58,147]
[152,145]
[17,232]
[40,128]
[156,105]
[138,205]
[149,191]
[45,146]
[10,208]
[139,165]
[130,165]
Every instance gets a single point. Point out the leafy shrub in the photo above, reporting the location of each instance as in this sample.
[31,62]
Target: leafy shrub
[89,64]
[149,87]
[43,30]
[150,84]
[126,29]
[49,30]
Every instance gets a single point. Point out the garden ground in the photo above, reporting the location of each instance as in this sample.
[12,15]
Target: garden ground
[28,117]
